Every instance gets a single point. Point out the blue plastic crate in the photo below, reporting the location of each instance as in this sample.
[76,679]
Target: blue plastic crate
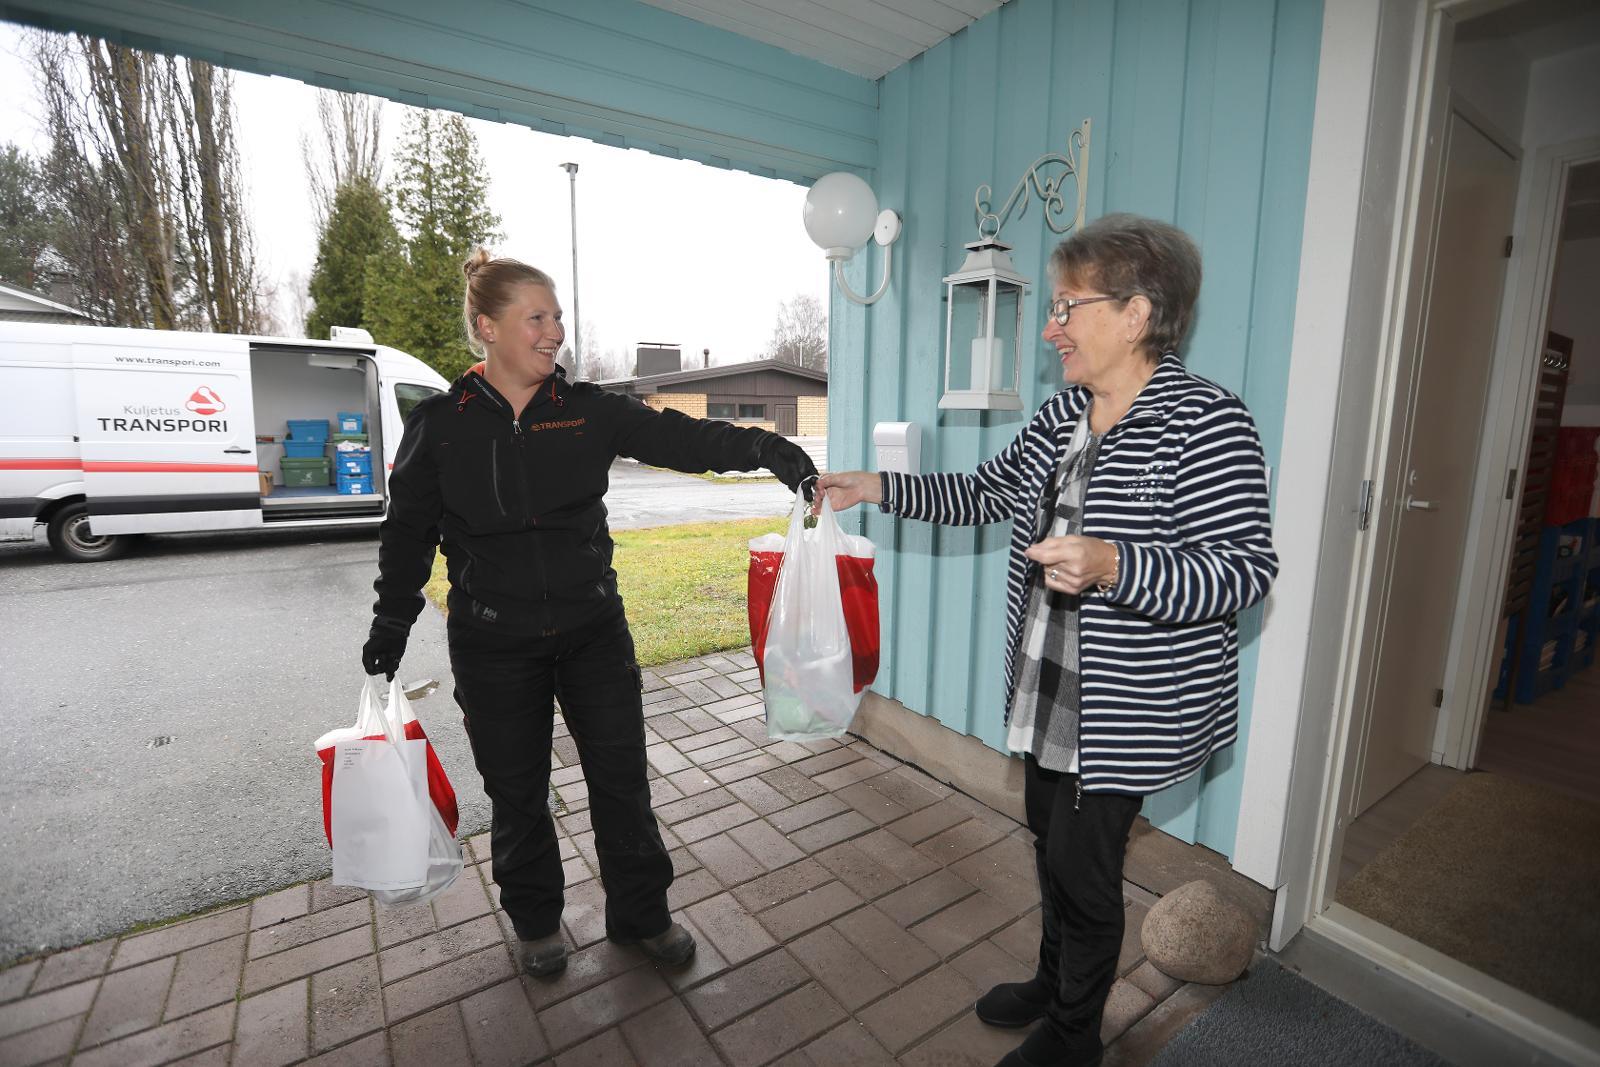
[352,422]
[303,449]
[309,430]
[354,486]
[356,463]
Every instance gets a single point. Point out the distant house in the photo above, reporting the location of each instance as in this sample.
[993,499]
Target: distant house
[19,305]
[782,397]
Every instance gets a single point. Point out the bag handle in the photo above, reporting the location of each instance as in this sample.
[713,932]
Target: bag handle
[373,713]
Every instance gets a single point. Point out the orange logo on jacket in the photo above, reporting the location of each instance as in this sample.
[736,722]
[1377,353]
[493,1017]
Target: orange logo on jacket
[559,424]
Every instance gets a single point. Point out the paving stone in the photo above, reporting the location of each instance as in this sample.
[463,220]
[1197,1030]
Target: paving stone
[272,1027]
[737,704]
[723,687]
[969,920]
[898,789]
[565,749]
[697,718]
[769,847]
[959,841]
[481,846]
[605,1050]
[967,1042]
[871,803]
[434,1039]
[895,855]
[881,940]
[1005,871]
[761,797]
[790,1021]
[325,895]
[917,1009]
[665,723]
[827,760]
[346,1002]
[754,730]
[41,1044]
[818,836]
[714,822]
[464,900]
[172,1041]
[560,776]
[649,681]
[416,956]
[1153,982]
[722,750]
[695,886]
[742,659]
[790,782]
[986,966]
[707,962]
[666,1036]
[731,928]
[304,930]
[402,923]
[848,1043]
[1126,1005]
[580,1017]
[1021,939]
[841,969]
[922,780]
[690,675]
[926,822]
[692,782]
[745,675]
[129,1001]
[782,885]
[73,965]
[501,1026]
[847,774]
[586,969]
[663,792]
[1140,1042]
[859,871]
[449,981]
[572,871]
[746,769]
[690,745]
[280,967]
[925,896]
[700,803]
[14,981]
[171,940]
[666,759]
[370,1051]
[809,910]
[279,907]
[806,812]
[584,914]
[44,1008]
[726,860]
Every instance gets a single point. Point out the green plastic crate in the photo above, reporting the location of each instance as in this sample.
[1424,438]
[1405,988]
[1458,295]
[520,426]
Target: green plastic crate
[357,438]
[302,473]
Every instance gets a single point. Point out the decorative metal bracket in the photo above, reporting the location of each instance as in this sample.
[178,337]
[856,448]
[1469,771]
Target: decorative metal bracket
[1074,162]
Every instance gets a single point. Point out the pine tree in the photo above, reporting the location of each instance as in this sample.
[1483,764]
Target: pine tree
[440,198]
[358,226]
[24,219]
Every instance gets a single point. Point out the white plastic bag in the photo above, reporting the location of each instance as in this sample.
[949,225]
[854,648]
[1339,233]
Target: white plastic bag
[809,687]
[387,833]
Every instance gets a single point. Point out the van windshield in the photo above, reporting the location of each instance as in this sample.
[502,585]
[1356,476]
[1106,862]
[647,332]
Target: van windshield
[408,396]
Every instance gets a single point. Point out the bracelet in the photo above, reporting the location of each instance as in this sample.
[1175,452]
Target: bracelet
[1105,585]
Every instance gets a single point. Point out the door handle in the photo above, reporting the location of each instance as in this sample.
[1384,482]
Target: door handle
[236,451]
[1413,504]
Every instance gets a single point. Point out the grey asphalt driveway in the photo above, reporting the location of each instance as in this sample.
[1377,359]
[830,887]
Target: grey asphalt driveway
[159,712]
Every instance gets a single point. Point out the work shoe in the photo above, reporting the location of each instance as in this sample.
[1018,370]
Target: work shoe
[1044,1049]
[544,955]
[1013,1004]
[673,947]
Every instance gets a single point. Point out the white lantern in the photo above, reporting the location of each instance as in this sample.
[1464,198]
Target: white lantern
[983,330]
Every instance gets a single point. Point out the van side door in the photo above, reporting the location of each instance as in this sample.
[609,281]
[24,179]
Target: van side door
[167,434]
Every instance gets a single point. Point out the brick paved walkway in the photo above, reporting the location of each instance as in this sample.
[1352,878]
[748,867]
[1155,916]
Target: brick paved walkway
[849,909]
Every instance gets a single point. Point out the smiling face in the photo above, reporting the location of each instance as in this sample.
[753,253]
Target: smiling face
[525,337]
[1092,344]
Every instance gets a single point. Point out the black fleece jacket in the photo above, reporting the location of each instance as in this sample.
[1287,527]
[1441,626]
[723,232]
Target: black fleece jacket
[517,502]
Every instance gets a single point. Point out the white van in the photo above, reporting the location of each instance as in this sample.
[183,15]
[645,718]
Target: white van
[109,433]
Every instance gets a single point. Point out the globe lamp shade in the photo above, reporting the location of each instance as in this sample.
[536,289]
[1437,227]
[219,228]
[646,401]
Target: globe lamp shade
[840,213]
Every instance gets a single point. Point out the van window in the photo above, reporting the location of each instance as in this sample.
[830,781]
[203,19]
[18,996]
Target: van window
[408,396]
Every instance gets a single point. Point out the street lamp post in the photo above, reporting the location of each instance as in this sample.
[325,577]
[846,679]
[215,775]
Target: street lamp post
[577,318]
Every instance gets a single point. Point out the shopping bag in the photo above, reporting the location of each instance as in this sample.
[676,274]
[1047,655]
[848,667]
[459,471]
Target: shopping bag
[388,807]
[813,608]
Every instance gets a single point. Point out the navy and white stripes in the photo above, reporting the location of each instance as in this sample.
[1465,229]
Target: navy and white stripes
[1180,487]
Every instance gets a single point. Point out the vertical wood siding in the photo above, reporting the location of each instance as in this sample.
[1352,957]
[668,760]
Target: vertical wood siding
[1202,116]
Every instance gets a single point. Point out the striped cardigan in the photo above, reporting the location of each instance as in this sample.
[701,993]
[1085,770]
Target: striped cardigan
[1180,487]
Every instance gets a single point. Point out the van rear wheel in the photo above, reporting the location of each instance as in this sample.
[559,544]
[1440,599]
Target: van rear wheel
[73,540]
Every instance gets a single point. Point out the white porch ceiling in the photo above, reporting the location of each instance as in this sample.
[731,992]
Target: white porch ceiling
[866,37]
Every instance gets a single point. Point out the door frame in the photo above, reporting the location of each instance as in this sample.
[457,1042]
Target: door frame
[1404,61]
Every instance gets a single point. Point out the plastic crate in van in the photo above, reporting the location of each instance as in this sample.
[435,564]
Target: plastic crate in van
[309,429]
[352,422]
[355,485]
[303,449]
[349,440]
[304,472]
[353,463]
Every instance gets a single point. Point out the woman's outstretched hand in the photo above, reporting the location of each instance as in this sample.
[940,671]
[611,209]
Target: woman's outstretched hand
[846,489]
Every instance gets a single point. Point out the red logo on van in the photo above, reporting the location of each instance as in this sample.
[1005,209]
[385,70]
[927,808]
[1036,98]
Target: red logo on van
[205,402]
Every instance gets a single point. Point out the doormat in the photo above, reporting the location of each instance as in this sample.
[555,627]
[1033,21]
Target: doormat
[1503,876]
[1273,1016]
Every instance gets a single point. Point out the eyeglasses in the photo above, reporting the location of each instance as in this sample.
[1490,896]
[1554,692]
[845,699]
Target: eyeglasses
[1061,310]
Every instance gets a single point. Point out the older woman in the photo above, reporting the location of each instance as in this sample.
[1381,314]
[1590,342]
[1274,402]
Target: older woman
[1138,503]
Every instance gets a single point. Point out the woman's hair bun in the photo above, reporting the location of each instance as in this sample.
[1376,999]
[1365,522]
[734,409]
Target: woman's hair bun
[475,262]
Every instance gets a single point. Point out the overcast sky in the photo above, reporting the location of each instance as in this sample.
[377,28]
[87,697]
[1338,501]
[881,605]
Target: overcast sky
[668,250]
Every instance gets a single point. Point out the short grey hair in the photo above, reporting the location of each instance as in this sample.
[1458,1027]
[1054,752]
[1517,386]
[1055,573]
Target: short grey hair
[1129,255]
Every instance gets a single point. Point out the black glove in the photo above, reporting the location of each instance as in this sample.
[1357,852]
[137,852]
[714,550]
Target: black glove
[789,462]
[385,645]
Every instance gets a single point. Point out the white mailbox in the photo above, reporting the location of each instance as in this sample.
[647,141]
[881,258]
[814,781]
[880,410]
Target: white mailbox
[899,446]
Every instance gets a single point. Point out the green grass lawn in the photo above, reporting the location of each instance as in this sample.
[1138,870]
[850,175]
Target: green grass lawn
[684,586]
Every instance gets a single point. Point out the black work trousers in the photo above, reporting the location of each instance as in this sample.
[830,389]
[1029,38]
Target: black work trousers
[1079,844]
[505,684]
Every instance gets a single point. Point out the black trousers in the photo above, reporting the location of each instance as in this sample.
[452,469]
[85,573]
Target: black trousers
[1079,844]
[505,684]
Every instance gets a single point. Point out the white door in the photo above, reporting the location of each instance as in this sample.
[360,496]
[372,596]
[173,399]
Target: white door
[167,435]
[1438,429]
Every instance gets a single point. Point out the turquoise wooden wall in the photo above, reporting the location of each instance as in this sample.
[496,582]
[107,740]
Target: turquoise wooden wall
[1201,115]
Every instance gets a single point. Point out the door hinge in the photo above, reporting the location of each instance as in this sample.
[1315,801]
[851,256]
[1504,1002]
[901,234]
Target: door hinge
[1509,242]
[1511,483]
[1364,507]
[1438,698]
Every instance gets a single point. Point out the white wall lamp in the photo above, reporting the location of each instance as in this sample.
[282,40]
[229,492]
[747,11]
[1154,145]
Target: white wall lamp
[841,213]
[983,299]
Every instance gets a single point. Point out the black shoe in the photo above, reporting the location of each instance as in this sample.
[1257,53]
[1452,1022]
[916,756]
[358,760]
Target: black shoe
[673,947]
[543,956]
[1044,1049]
[1013,1004]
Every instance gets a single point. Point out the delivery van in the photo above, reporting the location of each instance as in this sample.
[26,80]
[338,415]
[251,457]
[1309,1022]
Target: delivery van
[107,433]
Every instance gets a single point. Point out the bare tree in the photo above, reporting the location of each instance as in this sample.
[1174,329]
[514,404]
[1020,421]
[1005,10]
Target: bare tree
[348,147]
[801,333]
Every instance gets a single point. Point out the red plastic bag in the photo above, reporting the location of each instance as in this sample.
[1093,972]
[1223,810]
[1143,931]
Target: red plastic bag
[440,790]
